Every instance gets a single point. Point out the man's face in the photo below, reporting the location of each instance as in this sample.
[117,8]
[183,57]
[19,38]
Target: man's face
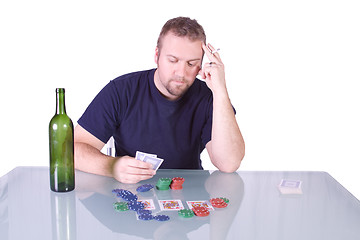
[179,62]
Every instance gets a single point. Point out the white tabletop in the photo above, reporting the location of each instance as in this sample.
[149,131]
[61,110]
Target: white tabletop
[256,210]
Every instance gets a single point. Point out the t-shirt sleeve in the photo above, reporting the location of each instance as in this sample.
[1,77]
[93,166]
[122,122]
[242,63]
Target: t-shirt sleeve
[102,115]
[206,131]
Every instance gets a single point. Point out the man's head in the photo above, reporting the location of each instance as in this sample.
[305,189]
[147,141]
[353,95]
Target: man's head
[178,56]
[182,27]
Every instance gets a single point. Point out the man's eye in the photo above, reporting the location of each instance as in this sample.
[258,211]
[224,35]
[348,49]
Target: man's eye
[172,60]
[191,64]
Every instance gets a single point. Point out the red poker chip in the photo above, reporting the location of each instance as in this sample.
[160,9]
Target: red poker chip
[218,203]
[202,214]
[176,183]
[223,205]
[217,200]
[201,211]
[178,179]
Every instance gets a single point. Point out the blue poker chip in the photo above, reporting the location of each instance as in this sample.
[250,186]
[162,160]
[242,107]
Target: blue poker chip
[145,188]
[127,195]
[130,198]
[136,206]
[146,217]
[162,218]
[144,212]
[117,190]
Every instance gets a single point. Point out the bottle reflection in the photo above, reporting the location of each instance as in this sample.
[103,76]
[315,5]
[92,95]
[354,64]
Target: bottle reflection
[63,216]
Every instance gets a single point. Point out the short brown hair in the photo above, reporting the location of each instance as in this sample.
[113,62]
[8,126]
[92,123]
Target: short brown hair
[183,27]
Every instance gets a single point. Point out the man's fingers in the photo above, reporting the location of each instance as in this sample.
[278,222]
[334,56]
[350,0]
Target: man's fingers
[208,49]
[134,166]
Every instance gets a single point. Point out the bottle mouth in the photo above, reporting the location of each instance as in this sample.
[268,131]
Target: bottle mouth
[60,90]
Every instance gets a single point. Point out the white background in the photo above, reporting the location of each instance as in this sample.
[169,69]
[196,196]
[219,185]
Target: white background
[292,71]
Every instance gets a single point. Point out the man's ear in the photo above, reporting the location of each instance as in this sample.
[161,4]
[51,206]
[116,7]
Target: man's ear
[156,57]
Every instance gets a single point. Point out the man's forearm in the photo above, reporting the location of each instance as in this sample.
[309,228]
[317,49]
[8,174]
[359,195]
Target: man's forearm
[91,160]
[227,143]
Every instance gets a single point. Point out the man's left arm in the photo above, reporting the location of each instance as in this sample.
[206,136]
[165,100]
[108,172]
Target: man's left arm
[226,148]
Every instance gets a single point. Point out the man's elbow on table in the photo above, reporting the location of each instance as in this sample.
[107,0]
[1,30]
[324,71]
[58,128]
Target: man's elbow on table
[228,164]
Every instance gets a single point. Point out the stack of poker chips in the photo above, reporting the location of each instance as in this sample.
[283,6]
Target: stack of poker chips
[176,183]
[201,211]
[163,184]
[219,202]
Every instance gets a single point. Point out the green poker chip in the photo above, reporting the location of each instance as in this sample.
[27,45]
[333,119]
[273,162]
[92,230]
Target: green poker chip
[121,206]
[186,213]
[163,183]
[225,199]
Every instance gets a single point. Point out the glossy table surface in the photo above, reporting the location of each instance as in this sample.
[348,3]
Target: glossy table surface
[257,209]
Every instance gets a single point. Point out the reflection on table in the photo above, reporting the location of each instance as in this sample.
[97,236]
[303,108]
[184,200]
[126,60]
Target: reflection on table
[257,210]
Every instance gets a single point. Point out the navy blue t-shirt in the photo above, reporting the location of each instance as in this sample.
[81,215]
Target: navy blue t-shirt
[132,110]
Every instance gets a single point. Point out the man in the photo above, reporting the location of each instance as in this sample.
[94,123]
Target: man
[164,111]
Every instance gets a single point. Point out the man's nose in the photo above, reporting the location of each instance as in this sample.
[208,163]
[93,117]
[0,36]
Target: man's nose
[181,69]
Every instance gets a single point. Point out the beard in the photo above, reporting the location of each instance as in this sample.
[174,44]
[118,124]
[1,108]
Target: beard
[176,89]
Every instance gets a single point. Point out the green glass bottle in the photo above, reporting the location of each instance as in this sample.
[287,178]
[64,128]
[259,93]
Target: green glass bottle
[61,144]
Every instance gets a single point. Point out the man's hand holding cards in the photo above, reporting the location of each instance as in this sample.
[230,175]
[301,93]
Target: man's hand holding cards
[150,158]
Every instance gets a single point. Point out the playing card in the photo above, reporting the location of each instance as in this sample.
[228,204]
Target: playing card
[140,155]
[148,203]
[290,186]
[170,205]
[156,162]
[205,204]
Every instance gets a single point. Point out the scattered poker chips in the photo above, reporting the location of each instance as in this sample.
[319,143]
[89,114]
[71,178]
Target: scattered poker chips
[144,211]
[131,201]
[201,211]
[146,217]
[121,206]
[135,205]
[117,190]
[163,184]
[218,202]
[127,195]
[162,218]
[145,188]
[186,213]
[176,183]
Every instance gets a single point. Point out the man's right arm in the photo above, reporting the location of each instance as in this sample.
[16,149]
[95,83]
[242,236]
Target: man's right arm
[89,158]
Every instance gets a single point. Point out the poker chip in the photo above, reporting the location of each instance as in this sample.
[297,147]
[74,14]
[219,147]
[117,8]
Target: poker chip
[135,205]
[121,206]
[162,218]
[117,190]
[225,200]
[163,184]
[145,188]
[201,211]
[144,211]
[176,183]
[218,203]
[146,217]
[186,213]
[127,195]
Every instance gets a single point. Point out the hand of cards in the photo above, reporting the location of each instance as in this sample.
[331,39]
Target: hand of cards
[150,158]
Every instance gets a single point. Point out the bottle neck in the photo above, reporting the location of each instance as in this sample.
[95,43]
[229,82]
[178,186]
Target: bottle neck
[60,101]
